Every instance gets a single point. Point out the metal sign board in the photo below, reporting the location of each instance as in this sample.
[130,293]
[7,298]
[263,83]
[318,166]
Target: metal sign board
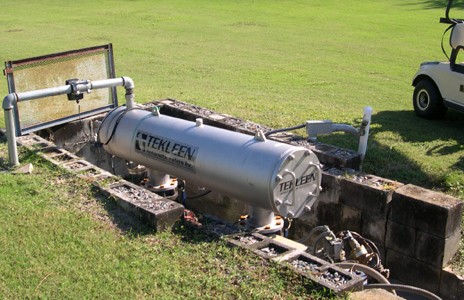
[94,63]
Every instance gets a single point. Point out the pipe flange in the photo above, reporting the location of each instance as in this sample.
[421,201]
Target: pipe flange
[168,186]
[245,223]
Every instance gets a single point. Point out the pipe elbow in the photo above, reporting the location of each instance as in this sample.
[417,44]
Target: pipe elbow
[128,83]
[9,101]
[345,128]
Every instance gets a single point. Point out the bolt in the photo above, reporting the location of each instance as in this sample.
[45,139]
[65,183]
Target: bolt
[307,208]
[278,177]
[290,214]
[291,157]
[278,202]
[307,153]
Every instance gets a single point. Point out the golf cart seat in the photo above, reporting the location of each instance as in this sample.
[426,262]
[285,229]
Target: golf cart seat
[457,43]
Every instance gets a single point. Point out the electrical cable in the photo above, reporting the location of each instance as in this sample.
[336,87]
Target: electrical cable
[199,195]
[443,37]
[115,125]
[371,247]
[83,125]
[284,129]
[323,236]
[287,228]
[313,231]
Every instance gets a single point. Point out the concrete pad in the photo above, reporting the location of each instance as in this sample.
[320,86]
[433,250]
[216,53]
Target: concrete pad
[377,294]
[26,169]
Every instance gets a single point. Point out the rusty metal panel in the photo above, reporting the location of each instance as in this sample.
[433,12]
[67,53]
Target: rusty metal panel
[53,70]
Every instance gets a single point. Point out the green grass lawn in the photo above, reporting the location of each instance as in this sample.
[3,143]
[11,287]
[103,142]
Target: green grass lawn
[278,63]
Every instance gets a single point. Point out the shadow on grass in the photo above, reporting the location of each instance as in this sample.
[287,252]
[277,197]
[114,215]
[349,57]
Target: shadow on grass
[385,158]
[124,221]
[432,4]
[132,226]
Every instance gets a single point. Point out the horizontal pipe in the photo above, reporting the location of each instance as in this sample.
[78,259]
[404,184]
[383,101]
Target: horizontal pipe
[81,87]
[10,101]
[60,90]
[105,83]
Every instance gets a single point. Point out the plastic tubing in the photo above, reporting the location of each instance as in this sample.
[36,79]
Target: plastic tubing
[363,138]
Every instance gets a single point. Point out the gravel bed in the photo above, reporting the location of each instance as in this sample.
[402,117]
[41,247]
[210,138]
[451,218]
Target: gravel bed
[247,239]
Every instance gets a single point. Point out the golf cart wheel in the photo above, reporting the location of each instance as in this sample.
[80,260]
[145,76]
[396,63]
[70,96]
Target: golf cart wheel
[427,100]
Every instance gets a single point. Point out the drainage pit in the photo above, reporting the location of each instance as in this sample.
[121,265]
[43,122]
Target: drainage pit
[72,146]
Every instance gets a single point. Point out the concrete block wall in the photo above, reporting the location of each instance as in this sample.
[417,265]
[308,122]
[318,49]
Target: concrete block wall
[423,234]
[417,230]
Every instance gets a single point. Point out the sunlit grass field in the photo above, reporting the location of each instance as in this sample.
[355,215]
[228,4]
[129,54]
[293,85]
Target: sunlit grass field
[278,63]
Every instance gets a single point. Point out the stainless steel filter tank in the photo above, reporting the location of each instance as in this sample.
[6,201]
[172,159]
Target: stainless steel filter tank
[278,177]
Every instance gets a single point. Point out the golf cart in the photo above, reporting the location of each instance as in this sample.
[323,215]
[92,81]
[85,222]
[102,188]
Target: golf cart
[440,85]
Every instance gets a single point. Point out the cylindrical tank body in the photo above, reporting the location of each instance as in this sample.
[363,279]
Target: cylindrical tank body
[279,177]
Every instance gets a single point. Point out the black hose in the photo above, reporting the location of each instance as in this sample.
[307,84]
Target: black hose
[366,269]
[284,129]
[199,195]
[121,114]
[404,288]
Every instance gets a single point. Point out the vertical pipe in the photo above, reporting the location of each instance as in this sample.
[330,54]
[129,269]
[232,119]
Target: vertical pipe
[8,105]
[259,216]
[157,178]
[365,134]
[128,84]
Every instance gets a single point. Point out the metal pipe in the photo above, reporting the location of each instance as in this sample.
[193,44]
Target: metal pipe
[10,101]
[30,95]
[129,86]
[345,128]
[105,83]
[8,104]
[124,81]
[157,178]
[260,217]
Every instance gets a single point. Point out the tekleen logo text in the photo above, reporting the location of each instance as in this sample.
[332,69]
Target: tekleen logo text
[300,181]
[165,149]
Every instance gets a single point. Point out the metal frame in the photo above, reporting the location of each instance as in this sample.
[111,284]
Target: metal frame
[9,73]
